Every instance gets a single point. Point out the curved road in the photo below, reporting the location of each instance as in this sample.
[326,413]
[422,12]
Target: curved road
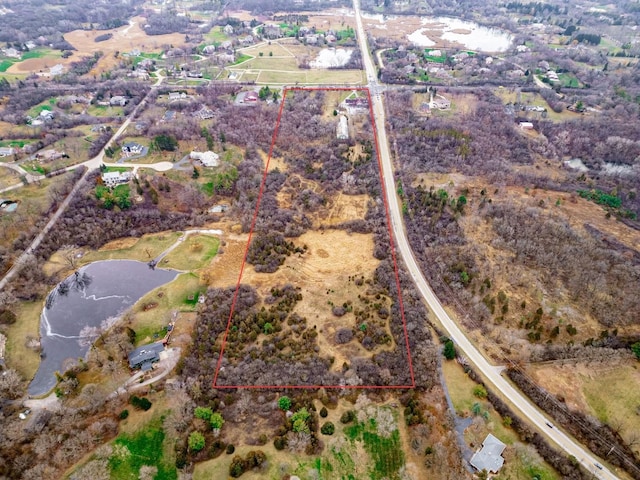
[490,372]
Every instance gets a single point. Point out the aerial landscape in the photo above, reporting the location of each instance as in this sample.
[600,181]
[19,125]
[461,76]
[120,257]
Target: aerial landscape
[319,239]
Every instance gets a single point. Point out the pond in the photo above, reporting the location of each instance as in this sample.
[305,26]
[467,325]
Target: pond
[468,34]
[82,306]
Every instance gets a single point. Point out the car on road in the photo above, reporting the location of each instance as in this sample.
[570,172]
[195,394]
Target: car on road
[549,424]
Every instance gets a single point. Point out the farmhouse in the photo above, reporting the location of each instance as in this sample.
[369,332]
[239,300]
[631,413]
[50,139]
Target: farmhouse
[207,159]
[343,128]
[145,356]
[489,457]
[111,179]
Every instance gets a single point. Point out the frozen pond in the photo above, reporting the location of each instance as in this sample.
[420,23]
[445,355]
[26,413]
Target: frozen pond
[85,304]
[469,34]
[331,58]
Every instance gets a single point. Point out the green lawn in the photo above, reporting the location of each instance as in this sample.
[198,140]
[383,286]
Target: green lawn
[216,36]
[143,249]
[179,295]
[145,447]
[193,253]
[6,64]
[14,143]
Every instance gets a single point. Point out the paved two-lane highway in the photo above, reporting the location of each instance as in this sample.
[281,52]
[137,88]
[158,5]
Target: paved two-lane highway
[490,372]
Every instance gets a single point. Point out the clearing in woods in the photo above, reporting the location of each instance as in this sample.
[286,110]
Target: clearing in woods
[331,268]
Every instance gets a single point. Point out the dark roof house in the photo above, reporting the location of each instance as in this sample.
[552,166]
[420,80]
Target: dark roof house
[145,356]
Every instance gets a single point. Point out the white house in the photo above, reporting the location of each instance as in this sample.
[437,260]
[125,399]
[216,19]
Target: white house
[118,100]
[7,151]
[526,125]
[207,159]
[177,96]
[111,179]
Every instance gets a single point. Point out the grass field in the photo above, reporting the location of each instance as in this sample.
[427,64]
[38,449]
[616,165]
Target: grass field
[277,64]
[104,111]
[194,253]
[355,452]
[25,360]
[8,177]
[144,447]
[181,295]
[143,249]
[588,388]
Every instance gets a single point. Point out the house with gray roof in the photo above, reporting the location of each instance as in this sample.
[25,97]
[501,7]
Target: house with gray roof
[145,356]
[489,457]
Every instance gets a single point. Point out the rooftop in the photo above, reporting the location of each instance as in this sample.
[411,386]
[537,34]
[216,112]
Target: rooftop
[489,457]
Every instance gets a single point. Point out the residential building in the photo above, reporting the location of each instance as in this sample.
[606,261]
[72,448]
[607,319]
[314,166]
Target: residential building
[489,457]
[207,159]
[131,148]
[50,155]
[228,30]
[145,356]
[118,100]
[12,52]
[209,50]
[250,97]
[177,96]
[526,125]
[204,113]
[111,179]
[272,31]
[7,151]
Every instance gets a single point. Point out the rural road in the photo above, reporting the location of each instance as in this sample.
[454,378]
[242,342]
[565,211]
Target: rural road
[522,403]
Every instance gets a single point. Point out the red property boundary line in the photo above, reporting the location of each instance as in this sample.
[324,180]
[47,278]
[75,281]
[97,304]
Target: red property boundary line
[246,252]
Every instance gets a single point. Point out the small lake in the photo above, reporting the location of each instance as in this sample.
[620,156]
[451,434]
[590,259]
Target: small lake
[84,305]
[469,34]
